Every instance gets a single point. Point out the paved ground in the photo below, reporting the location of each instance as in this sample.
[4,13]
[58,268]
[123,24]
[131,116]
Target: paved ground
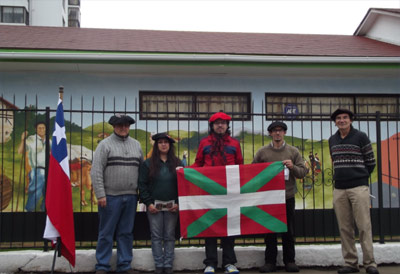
[383,269]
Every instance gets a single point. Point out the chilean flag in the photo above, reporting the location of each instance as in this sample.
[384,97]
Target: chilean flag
[60,219]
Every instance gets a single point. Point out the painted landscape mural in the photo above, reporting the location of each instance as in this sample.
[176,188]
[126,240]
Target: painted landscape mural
[18,127]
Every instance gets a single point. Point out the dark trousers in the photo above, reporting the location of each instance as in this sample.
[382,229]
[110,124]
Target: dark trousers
[228,252]
[271,249]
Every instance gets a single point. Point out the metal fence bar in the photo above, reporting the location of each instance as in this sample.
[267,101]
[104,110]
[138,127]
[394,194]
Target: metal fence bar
[251,135]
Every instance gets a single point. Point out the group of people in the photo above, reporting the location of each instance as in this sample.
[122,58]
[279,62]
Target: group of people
[120,177]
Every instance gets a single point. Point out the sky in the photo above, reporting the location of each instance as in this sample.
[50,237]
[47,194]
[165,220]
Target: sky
[261,16]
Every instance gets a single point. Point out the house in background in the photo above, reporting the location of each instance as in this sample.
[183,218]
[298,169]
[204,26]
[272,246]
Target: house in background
[173,80]
[382,25]
[6,120]
[55,13]
[202,72]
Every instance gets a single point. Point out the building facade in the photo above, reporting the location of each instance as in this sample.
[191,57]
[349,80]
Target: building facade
[55,13]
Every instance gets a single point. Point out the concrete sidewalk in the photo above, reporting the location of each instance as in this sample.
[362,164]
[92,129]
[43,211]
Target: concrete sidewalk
[310,258]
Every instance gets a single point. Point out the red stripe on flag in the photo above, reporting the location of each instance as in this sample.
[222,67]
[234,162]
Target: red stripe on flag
[187,217]
[246,174]
[191,190]
[278,211]
[218,229]
[59,208]
[249,226]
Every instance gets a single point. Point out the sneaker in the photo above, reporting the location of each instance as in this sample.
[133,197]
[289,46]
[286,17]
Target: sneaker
[159,270]
[209,270]
[267,268]
[348,269]
[372,270]
[231,269]
[168,270]
[291,267]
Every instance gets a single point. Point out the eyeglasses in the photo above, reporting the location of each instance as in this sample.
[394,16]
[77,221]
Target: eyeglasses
[278,130]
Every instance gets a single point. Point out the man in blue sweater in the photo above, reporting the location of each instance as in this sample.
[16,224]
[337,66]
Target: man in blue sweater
[353,162]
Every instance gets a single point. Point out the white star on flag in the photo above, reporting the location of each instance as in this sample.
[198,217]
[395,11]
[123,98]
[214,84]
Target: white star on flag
[59,133]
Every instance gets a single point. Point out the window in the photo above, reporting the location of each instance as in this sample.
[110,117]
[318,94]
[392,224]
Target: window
[295,106]
[74,17]
[74,2]
[14,15]
[190,105]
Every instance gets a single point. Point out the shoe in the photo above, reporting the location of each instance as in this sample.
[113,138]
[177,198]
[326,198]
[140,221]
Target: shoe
[130,271]
[291,267]
[168,270]
[209,270]
[101,272]
[231,269]
[348,269]
[372,270]
[159,270]
[267,268]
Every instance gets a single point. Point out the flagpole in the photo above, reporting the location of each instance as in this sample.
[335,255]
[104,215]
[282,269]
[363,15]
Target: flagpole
[57,251]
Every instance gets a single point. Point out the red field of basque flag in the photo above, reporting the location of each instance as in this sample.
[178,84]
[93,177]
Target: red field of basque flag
[60,219]
[232,200]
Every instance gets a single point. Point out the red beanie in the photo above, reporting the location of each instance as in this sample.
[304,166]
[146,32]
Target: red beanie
[219,115]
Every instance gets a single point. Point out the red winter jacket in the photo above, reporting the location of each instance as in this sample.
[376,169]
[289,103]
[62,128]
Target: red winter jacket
[218,151]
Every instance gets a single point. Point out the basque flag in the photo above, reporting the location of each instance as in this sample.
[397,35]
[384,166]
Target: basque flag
[60,219]
[232,200]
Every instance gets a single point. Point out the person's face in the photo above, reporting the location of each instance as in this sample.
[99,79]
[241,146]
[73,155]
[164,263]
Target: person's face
[122,129]
[277,134]
[343,121]
[41,130]
[163,146]
[220,126]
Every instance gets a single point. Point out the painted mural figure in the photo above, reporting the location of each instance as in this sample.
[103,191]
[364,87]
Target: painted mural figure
[219,149]
[279,150]
[35,148]
[115,173]
[158,189]
[317,168]
[353,162]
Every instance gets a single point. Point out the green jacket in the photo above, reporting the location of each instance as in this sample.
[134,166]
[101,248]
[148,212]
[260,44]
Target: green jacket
[164,187]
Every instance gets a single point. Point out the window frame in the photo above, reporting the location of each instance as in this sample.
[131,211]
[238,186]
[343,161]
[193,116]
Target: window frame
[24,12]
[193,114]
[326,116]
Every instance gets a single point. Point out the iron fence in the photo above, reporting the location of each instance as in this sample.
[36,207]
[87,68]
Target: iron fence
[86,125]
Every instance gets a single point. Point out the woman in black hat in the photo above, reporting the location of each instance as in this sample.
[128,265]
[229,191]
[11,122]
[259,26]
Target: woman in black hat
[159,192]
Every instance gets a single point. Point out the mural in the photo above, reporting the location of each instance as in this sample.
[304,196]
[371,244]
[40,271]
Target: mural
[23,159]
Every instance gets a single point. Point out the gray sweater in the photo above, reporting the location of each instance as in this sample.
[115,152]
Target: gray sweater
[285,152]
[115,168]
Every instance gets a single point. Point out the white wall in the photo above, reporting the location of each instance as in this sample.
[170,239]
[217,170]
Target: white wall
[49,13]
[386,29]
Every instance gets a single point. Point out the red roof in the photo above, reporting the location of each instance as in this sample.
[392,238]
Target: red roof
[153,41]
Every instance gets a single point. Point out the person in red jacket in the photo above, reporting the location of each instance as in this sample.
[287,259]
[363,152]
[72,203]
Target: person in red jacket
[219,149]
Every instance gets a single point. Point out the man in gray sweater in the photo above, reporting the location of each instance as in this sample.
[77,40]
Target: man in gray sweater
[290,156]
[114,175]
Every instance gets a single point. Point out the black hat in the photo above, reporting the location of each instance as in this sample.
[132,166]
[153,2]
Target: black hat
[162,135]
[119,119]
[341,111]
[277,124]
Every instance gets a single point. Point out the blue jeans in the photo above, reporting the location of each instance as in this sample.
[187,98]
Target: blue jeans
[35,189]
[116,218]
[162,228]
